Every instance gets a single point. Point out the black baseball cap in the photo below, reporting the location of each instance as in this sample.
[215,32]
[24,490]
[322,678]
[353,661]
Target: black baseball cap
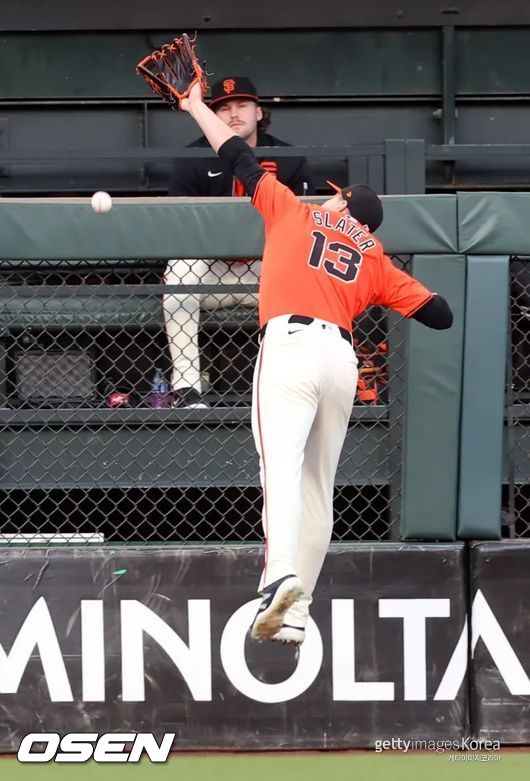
[364,204]
[233,87]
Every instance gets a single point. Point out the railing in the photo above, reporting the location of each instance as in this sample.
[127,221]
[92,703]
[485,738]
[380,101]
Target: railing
[397,166]
[386,167]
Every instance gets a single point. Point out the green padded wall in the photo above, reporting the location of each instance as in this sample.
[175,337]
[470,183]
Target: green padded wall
[484,372]
[494,223]
[432,409]
[158,228]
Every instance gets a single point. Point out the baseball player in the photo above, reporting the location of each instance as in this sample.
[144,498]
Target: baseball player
[322,267]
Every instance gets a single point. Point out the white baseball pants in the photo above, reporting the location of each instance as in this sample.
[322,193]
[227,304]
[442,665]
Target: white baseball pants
[182,311]
[304,387]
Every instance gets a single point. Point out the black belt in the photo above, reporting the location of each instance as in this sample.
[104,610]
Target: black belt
[303,320]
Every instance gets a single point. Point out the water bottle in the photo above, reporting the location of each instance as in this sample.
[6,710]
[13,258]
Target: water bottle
[160,396]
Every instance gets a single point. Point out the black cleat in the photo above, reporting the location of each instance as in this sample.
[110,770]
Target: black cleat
[277,599]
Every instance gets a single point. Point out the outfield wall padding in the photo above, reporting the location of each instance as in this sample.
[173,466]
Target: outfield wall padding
[493,223]
[161,228]
[500,683]
[432,408]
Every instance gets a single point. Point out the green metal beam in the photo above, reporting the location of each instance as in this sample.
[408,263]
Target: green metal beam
[449,85]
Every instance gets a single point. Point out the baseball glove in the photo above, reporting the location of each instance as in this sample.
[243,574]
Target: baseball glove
[172,70]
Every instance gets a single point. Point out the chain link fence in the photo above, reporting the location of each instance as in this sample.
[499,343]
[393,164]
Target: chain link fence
[94,448]
[516,493]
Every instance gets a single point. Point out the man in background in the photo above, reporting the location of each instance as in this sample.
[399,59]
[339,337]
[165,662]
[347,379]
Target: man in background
[235,100]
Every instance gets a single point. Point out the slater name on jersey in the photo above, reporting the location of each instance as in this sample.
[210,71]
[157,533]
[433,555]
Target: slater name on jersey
[345,225]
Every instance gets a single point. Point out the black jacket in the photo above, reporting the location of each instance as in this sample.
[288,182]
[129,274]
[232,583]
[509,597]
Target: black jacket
[212,177]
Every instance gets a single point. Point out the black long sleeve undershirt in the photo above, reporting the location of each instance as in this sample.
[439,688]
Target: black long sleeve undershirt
[243,162]
[436,313]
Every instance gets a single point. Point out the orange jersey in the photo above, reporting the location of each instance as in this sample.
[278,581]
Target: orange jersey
[324,264]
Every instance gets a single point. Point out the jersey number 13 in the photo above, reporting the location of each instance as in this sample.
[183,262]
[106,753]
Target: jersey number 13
[343,263]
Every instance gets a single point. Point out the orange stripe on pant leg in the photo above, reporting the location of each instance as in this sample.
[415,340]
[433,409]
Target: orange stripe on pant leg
[262,449]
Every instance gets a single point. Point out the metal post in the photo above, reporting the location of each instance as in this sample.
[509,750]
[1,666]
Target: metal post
[449,85]
[415,166]
[376,173]
[4,144]
[449,95]
[144,129]
[395,181]
[508,516]
[368,169]
[357,168]
[3,371]
[405,166]
[397,352]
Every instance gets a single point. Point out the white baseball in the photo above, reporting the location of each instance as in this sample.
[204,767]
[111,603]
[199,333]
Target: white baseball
[101,202]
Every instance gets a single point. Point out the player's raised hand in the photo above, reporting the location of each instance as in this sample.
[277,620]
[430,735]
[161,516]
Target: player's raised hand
[195,97]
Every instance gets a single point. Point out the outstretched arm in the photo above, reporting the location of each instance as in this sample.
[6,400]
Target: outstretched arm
[224,141]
